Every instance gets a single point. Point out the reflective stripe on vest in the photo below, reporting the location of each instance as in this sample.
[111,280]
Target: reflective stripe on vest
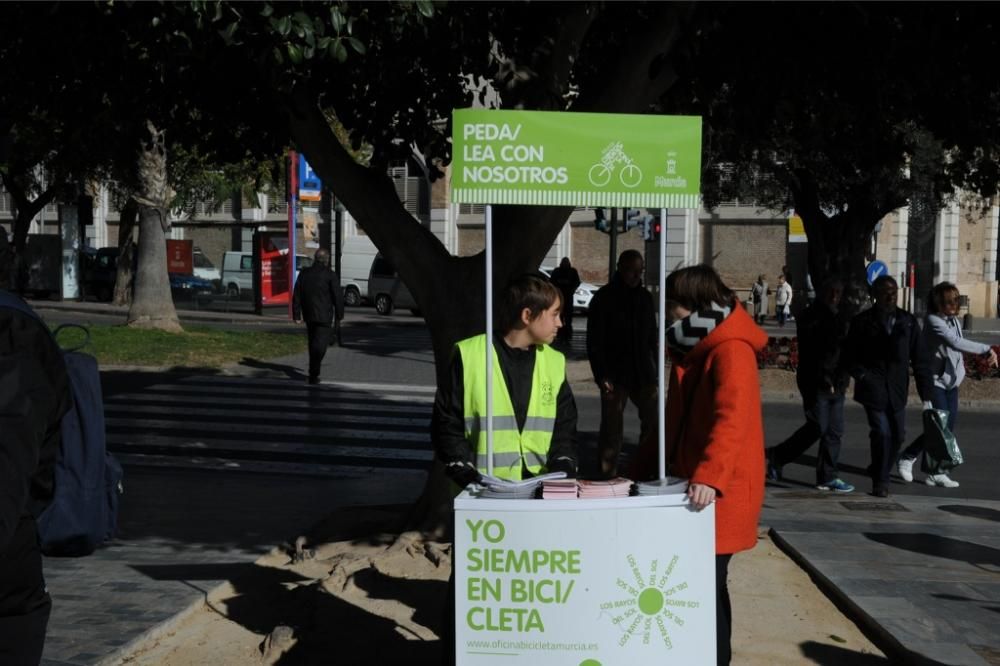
[512,450]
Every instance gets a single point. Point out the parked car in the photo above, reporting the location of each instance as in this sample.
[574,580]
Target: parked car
[582,295]
[189,287]
[387,290]
[204,268]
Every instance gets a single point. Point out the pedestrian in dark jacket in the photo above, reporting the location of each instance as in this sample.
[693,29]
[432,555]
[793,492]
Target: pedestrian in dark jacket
[34,395]
[822,382]
[621,346]
[567,279]
[317,299]
[883,343]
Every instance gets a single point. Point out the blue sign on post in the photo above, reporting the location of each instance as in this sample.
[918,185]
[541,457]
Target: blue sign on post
[875,270]
[309,183]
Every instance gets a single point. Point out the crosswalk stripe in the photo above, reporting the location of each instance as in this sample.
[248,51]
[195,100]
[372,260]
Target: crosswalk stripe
[316,394]
[339,470]
[137,400]
[252,414]
[270,450]
[294,385]
[276,429]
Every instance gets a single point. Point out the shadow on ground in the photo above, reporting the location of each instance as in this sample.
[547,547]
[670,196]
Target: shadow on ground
[329,629]
[831,655]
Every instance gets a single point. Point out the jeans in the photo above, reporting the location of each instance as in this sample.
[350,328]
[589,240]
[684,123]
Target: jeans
[946,399]
[886,430]
[825,422]
[613,402]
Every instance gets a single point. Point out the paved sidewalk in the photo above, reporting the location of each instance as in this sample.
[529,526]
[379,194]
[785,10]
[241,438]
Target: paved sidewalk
[920,575]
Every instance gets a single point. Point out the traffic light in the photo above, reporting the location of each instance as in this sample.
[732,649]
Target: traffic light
[651,230]
[600,221]
[635,217]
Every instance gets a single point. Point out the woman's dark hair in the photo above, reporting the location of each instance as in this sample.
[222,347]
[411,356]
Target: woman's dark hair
[532,291]
[697,287]
[939,295]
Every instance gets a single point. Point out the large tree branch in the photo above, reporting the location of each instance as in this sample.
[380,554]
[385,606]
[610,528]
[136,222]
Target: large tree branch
[643,72]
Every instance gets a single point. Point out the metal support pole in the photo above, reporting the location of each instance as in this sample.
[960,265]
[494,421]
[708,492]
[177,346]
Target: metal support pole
[293,200]
[489,340]
[661,394]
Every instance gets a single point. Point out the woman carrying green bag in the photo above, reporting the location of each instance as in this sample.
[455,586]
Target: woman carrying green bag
[942,335]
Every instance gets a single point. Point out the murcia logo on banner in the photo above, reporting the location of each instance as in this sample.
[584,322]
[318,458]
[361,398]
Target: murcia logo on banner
[652,599]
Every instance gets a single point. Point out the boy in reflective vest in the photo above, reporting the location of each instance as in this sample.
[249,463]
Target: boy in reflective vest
[534,414]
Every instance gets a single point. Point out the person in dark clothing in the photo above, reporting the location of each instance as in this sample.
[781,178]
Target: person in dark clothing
[621,346]
[822,384]
[881,343]
[567,279]
[534,410]
[34,395]
[317,299]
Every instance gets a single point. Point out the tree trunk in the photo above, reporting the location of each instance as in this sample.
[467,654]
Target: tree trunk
[126,253]
[152,304]
[838,243]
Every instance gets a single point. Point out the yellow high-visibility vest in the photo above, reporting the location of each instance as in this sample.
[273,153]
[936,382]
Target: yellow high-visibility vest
[513,450]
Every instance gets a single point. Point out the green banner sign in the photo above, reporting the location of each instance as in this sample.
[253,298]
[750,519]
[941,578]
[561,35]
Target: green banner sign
[576,159]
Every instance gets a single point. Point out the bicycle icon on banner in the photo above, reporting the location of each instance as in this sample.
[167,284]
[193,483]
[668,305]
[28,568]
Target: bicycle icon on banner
[600,174]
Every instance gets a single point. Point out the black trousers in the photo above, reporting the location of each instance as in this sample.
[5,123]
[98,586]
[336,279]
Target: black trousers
[319,340]
[723,612]
[24,603]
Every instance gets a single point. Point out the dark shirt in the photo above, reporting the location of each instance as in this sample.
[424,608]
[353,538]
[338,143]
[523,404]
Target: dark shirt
[317,296]
[517,366]
[821,334]
[567,279]
[879,358]
[621,335]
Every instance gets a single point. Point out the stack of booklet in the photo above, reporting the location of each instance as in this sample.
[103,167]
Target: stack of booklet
[618,487]
[668,486]
[495,488]
[559,489]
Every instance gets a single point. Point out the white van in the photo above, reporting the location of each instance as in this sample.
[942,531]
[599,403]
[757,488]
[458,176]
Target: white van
[355,264]
[237,273]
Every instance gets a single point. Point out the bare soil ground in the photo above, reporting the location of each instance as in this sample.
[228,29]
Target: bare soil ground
[381,600]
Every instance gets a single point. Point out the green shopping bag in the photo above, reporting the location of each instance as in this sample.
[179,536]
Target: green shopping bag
[941,452]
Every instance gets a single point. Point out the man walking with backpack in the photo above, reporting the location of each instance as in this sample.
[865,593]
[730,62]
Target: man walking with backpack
[34,396]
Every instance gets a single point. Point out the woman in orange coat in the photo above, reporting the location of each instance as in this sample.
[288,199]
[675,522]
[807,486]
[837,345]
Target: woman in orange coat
[715,431]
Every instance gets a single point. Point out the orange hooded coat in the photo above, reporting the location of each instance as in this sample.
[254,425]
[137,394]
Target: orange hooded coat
[713,405]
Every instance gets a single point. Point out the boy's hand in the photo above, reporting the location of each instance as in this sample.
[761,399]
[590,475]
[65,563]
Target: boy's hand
[462,473]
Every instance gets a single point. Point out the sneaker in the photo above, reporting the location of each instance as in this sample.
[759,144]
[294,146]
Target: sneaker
[772,472]
[880,491]
[942,480]
[836,486]
[905,469]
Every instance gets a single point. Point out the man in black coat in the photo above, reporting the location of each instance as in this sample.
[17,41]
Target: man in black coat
[34,395]
[621,346]
[317,299]
[881,343]
[822,382]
